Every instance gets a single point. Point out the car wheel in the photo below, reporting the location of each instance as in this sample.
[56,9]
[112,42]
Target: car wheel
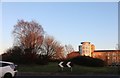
[7,75]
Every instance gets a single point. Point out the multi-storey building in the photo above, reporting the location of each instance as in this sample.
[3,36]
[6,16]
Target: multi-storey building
[110,56]
[86,49]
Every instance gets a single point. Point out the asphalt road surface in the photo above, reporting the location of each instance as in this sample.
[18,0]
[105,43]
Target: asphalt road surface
[83,76]
[60,75]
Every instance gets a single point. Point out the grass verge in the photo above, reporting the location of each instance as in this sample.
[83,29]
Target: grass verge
[54,68]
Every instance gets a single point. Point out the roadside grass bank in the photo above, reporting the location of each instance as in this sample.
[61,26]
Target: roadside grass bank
[53,68]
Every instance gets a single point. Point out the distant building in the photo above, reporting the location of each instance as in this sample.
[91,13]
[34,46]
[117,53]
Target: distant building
[86,49]
[110,56]
[73,54]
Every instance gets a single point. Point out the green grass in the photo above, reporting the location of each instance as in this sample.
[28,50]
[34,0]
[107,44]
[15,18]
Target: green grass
[91,70]
[54,68]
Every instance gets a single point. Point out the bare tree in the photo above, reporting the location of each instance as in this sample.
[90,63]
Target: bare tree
[28,35]
[69,48]
[52,48]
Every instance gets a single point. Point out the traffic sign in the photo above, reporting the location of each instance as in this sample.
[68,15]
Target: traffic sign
[66,64]
[60,64]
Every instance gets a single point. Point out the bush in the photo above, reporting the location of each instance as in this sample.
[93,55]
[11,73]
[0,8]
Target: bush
[88,61]
[13,55]
[42,60]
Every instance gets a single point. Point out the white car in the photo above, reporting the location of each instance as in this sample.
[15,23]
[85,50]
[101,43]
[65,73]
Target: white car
[7,69]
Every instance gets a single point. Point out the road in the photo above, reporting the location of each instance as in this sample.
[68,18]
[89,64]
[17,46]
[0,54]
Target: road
[60,75]
[68,76]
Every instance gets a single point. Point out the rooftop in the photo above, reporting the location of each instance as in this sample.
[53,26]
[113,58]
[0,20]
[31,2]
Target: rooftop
[85,42]
[107,51]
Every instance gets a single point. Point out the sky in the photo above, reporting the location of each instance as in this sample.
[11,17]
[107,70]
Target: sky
[59,0]
[68,22]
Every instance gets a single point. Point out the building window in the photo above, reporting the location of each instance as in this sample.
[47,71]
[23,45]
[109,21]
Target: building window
[114,54]
[83,52]
[83,47]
